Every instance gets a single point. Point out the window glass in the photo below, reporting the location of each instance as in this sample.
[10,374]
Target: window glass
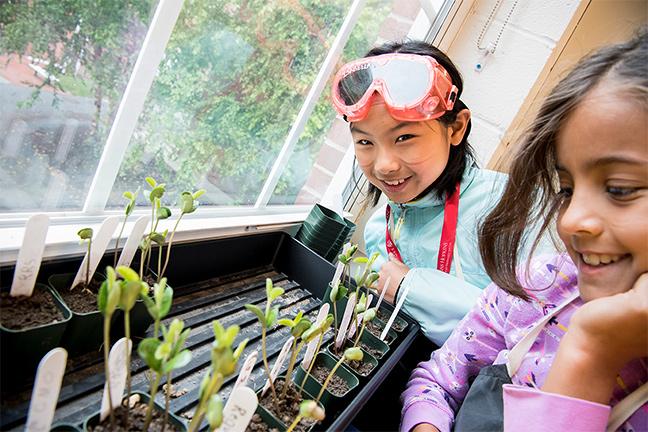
[230,85]
[63,69]
[325,139]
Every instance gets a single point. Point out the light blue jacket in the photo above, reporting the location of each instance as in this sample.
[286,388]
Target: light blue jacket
[438,300]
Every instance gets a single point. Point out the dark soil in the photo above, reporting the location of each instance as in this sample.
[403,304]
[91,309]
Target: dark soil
[371,350]
[337,386]
[361,367]
[136,420]
[258,425]
[288,406]
[375,329]
[79,299]
[397,325]
[23,312]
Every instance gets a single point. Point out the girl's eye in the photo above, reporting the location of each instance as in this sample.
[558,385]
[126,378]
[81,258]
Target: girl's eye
[618,192]
[363,142]
[565,192]
[404,137]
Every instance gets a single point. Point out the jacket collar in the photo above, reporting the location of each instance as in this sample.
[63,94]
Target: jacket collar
[431,198]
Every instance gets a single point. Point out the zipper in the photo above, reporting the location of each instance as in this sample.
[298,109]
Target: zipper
[399,223]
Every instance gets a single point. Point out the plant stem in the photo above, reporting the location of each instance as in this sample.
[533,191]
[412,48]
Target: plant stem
[267,368]
[359,334]
[142,257]
[312,362]
[167,401]
[128,362]
[159,262]
[329,377]
[214,385]
[88,263]
[335,320]
[168,254]
[291,366]
[107,368]
[121,231]
[149,408]
[294,423]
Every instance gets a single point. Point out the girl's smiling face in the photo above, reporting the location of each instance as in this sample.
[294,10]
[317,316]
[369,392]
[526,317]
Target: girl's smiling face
[402,158]
[602,163]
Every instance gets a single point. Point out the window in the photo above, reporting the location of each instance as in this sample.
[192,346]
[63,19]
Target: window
[228,96]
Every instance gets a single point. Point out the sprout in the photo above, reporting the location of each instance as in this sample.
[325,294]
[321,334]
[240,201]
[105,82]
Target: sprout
[350,354]
[85,234]
[308,409]
[298,327]
[130,206]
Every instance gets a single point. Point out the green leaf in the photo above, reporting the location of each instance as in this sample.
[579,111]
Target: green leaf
[180,360]
[215,412]
[286,322]
[257,311]
[369,315]
[341,293]
[165,305]
[272,316]
[198,193]
[157,192]
[146,351]
[159,238]
[299,329]
[151,181]
[130,291]
[310,409]
[334,293]
[361,260]
[268,287]
[219,330]
[128,274]
[343,259]
[275,292]
[186,202]
[230,335]
[102,297]
[354,353]
[240,348]
[128,195]
[85,233]
[164,213]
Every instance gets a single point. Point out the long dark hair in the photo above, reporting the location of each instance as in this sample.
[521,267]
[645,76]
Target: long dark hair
[460,155]
[531,194]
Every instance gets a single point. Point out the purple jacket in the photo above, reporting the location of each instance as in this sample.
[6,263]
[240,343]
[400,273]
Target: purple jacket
[494,325]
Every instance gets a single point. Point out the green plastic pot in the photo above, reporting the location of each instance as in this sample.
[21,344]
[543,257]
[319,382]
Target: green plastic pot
[273,421]
[402,324]
[22,350]
[63,427]
[140,321]
[373,342]
[84,332]
[391,334]
[176,421]
[312,386]
[366,358]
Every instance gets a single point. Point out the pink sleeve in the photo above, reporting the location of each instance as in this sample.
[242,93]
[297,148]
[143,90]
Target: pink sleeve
[531,410]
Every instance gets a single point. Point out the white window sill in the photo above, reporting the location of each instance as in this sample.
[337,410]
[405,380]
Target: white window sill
[62,240]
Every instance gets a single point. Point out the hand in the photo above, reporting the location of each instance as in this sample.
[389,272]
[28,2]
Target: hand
[424,427]
[603,336]
[395,270]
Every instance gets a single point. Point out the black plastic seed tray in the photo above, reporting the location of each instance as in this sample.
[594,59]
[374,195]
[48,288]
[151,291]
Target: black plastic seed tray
[212,279]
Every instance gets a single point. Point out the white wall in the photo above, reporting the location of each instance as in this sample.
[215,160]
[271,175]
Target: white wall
[495,94]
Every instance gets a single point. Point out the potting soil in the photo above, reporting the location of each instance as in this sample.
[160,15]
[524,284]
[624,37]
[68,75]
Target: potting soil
[17,313]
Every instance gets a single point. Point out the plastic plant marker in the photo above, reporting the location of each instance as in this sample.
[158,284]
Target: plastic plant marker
[346,319]
[382,294]
[353,328]
[285,350]
[338,274]
[99,245]
[116,362]
[133,241]
[312,345]
[239,409]
[30,256]
[246,370]
[398,307]
[46,391]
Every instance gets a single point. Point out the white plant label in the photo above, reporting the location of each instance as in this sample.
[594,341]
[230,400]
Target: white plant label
[30,256]
[369,299]
[398,307]
[46,391]
[353,328]
[338,273]
[246,370]
[348,313]
[239,409]
[382,294]
[99,245]
[312,345]
[117,365]
[278,364]
[133,241]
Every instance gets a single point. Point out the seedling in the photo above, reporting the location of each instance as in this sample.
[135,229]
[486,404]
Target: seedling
[107,302]
[298,326]
[131,288]
[308,409]
[350,354]
[339,291]
[85,234]
[158,306]
[158,213]
[267,319]
[162,357]
[223,364]
[188,204]
[311,334]
[130,206]
[368,315]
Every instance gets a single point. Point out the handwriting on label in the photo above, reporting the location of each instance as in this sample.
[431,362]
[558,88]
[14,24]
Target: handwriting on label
[46,391]
[278,364]
[126,257]
[246,370]
[312,345]
[239,409]
[30,256]
[346,319]
[117,365]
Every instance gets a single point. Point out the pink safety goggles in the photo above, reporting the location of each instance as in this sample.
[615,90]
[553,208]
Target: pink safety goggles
[414,87]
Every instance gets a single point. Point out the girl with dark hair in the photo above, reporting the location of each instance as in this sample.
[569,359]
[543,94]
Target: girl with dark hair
[563,343]
[410,131]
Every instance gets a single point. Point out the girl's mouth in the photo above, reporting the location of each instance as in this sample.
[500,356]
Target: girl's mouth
[595,263]
[395,185]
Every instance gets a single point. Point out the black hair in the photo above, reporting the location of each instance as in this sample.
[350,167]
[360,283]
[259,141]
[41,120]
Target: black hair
[461,154]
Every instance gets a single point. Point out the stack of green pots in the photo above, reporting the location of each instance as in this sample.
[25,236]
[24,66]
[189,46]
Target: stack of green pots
[325,232]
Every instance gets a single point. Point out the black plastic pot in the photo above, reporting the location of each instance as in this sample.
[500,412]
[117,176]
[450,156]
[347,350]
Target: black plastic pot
[372,341]
[273,421]
[176,421]
[312,386]
[65,428]
[84,332]
[22,350]
[140,321]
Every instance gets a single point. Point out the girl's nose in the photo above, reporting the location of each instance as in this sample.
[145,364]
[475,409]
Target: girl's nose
[581,216]
[386,161]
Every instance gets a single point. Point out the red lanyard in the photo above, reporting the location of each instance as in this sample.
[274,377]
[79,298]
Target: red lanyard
[448,233]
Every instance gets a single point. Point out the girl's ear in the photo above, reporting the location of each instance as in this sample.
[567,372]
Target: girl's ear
[458,127]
